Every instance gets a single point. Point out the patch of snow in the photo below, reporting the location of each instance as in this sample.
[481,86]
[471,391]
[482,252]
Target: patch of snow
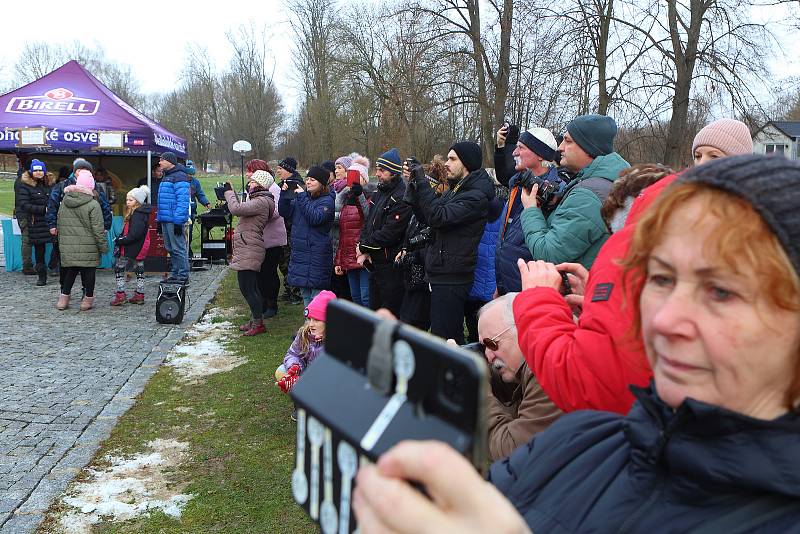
[128,488]
[203,351]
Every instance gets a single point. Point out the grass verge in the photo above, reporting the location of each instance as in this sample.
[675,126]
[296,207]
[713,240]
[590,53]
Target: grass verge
[241,451]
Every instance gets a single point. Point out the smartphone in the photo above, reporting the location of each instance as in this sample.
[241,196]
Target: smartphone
[353,177]
[375,384]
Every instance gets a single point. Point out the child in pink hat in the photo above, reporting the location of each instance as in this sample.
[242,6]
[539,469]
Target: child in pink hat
[307,344]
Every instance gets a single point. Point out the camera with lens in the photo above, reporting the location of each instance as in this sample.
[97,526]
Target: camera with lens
[549,192]
[421,239]
[415,169]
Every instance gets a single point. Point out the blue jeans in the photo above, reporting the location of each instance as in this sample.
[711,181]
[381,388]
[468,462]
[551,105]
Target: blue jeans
[308,294]
[359,286]
[176,246]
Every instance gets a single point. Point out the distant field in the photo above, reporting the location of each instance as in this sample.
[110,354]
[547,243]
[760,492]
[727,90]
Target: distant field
[6,197]
[208,183]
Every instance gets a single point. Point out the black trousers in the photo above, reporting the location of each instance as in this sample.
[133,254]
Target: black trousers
[38,253]
[416,309]
[386,289]
[471,308]
[69,275]
[55,256]
[340,286]
[248,285]
[447,310]
[268,281]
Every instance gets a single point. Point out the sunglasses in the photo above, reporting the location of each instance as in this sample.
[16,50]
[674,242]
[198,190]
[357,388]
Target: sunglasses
[492,343]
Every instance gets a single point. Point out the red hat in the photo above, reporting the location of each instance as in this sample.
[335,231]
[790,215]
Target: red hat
[318,306]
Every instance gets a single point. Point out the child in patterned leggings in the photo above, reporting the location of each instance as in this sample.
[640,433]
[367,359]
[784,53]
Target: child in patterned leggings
[131,247]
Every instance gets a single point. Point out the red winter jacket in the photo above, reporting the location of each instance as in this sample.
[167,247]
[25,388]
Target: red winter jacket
[351,222]
[588,365]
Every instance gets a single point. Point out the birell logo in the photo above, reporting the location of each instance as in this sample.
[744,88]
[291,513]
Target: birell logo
[54,102]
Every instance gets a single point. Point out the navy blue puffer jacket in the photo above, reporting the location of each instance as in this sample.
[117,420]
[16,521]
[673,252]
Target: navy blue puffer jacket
[511,243]
[311,261]
[657,470]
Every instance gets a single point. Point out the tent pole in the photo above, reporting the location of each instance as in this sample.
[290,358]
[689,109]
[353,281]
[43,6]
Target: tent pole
[149,170]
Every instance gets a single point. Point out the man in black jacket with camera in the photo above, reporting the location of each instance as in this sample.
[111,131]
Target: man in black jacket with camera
[457,220]
[383,233]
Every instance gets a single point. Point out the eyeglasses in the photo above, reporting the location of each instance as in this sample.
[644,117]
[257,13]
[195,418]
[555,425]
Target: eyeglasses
[492,343]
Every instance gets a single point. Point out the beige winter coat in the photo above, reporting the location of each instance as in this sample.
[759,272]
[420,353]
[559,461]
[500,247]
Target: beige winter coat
[248,239]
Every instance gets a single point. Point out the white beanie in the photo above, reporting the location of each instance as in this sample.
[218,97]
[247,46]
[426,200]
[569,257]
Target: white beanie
[263,178]
[540,141]
[140,193]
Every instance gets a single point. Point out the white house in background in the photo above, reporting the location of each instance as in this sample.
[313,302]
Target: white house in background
[778,137]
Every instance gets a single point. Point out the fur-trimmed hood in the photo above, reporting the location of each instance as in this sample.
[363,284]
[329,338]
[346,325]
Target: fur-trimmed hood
[27,179]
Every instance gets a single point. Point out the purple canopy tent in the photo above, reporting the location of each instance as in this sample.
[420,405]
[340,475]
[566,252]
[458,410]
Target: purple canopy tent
[74,106]
[76,115]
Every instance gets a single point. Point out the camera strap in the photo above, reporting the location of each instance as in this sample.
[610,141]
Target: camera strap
[511,197]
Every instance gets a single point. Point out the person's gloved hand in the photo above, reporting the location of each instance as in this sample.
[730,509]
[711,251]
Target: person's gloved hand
[356,190]
[287,383]
[227,186]
[289,379]
[178,229]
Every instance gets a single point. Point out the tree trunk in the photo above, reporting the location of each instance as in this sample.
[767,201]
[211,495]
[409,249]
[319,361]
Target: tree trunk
[685,60]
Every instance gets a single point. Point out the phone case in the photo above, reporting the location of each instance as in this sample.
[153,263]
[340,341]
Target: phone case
[377,383]
[353,177]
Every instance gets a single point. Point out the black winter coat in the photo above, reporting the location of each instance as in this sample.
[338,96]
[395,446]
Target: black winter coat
[31,204]
[657,470]
[385,226]
[457,219]
[138,226]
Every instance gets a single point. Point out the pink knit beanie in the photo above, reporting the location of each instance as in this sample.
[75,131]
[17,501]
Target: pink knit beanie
[317,308]
[730,136]
[85,179]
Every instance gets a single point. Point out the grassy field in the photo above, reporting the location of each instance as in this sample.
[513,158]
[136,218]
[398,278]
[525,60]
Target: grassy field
[6,197]
[240,434]
[207,181]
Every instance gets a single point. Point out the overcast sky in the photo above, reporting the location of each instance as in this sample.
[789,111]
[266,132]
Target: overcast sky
[150,36]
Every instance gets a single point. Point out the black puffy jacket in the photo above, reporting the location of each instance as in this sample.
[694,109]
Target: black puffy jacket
[457,219]
[31,204]
[657,470]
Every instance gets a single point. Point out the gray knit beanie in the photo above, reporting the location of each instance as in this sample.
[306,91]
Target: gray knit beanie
[594,134]
[771,184]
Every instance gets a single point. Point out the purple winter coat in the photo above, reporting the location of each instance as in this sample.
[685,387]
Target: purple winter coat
[304,359]
[248,239]
[275,230]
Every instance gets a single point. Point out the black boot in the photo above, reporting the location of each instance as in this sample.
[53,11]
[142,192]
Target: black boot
[41,270]
[270,309]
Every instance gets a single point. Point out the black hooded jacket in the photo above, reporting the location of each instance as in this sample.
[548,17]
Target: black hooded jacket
[457,220]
